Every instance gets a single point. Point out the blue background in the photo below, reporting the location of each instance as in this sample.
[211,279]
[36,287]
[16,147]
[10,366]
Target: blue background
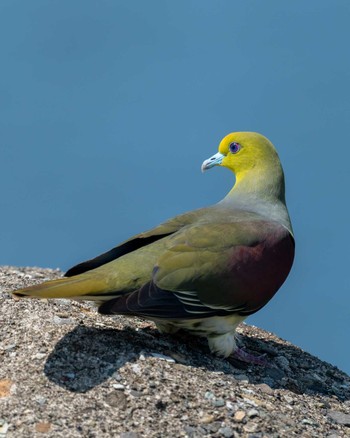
[108,108]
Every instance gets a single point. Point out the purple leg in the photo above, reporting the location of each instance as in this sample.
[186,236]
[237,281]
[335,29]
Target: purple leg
[244,356]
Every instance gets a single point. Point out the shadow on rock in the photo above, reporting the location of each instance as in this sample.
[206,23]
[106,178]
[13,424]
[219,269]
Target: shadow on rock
[88,356]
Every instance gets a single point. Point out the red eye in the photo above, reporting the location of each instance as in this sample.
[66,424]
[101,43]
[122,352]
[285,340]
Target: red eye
[234,147]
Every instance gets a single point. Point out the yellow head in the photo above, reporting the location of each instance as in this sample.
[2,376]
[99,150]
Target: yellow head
[254,161]
[243,152]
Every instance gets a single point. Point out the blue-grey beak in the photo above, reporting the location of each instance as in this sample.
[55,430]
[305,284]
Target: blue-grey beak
[215,160]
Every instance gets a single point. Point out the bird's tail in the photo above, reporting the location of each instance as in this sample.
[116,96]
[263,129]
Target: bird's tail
[79,287]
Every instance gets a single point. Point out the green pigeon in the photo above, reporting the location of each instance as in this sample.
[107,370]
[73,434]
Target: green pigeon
[203,271]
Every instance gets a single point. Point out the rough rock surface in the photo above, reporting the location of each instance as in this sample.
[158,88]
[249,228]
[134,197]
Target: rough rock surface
[67,372]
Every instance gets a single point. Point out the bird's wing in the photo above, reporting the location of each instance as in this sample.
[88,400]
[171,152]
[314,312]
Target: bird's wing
[213,269]
[143,239]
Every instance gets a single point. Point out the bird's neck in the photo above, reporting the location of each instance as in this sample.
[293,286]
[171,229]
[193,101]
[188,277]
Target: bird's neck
[262,191]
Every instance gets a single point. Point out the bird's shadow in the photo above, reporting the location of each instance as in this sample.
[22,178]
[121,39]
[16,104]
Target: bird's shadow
[87,356]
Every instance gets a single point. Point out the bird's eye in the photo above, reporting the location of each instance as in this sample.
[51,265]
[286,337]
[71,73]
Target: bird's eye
[234,147]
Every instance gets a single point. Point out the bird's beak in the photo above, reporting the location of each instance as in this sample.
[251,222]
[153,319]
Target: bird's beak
[215,160]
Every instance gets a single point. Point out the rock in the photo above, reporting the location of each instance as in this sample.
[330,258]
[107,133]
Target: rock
[239,416]
[62,320]
[252,413]
[339,417]
[226,432]
[288,399]
[219,402]
[5,387]
[209,395]
[3,427]
[41,400]
[251,427]
[214,427]
[136,368]
[118,386]
[266,389]
[309,421]
[96,378]
[116,399]
[39,356]
[43,427]
[206,419]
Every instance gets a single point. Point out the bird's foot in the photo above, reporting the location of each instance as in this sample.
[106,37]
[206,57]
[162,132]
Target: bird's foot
[250,358]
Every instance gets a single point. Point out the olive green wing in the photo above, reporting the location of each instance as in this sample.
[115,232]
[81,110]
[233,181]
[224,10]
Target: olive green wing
[213,269]
[138,241]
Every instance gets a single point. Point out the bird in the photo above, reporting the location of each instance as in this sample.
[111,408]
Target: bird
[204,271]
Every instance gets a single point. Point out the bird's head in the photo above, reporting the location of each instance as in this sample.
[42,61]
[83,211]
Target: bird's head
[243,152]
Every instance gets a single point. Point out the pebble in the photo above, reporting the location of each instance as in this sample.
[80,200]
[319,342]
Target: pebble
[62,315]
[239,416]
[189,431]
[218,403]
[116,399]
[248,391]
[3,427]
[136,368]
[117,376]
[214,427]
[180,358]
[118,386]
[206,419]
[226,432]
[41,400]
[39,355]
[250,402]
[252,413]
[229,405]
[209,395]
[288,399]
[309,422]
[340,417]
[9,347]
[266,389]
[62,321]
[250,427]
[43,427]
[135,393]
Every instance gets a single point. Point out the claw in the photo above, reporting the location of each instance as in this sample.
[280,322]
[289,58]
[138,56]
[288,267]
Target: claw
[244,356]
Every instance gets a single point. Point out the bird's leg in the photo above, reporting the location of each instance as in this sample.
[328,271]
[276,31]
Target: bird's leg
[225,345]
[222,345]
